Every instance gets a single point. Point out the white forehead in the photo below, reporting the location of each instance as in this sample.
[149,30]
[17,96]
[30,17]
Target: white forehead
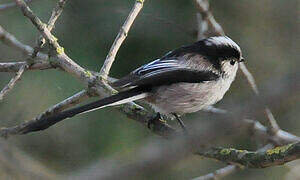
[222,41]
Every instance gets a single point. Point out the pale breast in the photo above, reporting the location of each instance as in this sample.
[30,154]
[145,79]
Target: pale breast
[184,98]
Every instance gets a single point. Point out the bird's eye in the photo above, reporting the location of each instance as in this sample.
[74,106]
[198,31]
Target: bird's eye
[232,62]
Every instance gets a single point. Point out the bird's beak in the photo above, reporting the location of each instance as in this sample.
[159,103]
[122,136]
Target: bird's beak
[242,60]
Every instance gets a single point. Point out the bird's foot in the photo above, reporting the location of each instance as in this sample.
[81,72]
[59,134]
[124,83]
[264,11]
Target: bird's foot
[154,120]
[183,127]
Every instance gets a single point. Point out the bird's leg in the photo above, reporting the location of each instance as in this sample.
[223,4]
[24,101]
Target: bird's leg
[180,122]
[152,120]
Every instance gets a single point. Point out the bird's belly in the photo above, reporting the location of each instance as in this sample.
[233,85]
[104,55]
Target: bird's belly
[184,98]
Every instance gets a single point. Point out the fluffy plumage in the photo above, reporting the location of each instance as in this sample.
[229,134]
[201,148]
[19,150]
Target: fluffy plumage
[182,81]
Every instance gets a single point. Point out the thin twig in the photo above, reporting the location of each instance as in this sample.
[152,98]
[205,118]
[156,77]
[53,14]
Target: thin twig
[257,129]
[272,124]
[15,66]
[12,82]
[38,121]
[120,38]
[13,42]
[207,25]
[63,61]
[10,5]
[56,12]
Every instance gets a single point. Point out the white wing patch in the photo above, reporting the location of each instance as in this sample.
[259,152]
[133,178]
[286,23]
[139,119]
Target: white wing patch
[158,66]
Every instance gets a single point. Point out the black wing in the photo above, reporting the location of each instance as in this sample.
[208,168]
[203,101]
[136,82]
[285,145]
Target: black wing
[164,72]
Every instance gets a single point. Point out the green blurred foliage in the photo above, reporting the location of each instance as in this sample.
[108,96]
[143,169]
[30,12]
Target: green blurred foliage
[267,31]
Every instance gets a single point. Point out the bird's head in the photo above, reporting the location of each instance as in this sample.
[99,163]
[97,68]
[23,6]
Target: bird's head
[221,51]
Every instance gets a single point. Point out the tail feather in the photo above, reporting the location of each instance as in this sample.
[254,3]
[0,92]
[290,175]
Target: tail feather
[117,99]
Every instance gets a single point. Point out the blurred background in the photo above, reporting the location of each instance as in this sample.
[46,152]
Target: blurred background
[266,30]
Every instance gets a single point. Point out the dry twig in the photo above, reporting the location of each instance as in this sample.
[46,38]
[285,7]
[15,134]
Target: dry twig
[272,157]
[63,61]
[15,66]
[12,82]
[120,38]
[13,42]
[10,5]
[56,12]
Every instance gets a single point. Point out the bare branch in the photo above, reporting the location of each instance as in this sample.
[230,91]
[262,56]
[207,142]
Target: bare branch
[155,157]
[249,77]
[219,173]
[13,42]
[120,38]
[272,124]
[272,157]
[10,5]
[15,66]
[260,131]
[39,120]
[56,12]
[12,82]
[207,25]
[63,60]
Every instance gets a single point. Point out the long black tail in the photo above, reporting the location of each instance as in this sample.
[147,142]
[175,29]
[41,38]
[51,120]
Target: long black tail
[120,98]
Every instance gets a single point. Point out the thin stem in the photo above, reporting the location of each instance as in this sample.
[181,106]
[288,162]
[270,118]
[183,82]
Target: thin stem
[120,38]
[65,62]
[10,5]
[12,82]
[271,122]
[56,12]
[15,66]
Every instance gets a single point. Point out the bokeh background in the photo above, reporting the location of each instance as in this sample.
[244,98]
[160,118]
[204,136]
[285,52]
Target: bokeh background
[266,30]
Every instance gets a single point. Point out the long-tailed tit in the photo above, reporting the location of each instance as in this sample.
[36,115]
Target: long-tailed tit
[184,80]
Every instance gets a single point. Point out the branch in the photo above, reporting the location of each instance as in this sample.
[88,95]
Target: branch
[256,128]
[207,25]
[13,42]
[272,124]
[63,61]
[38,122]
[155,157]
[15,66]
[120,38]
[56,12]
[272,157]
[10,5]
[12,82]
[220,173]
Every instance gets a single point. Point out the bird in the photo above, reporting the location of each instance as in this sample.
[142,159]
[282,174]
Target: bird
[185,80]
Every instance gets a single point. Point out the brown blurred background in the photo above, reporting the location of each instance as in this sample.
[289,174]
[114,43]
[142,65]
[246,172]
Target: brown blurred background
[266,30]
